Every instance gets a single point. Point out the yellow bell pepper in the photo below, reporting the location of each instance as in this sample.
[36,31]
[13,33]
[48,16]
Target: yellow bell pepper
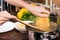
[20,13]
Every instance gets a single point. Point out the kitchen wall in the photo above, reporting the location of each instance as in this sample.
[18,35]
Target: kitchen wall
[57,2]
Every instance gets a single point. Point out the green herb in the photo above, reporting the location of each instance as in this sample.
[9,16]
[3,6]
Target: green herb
[28,16]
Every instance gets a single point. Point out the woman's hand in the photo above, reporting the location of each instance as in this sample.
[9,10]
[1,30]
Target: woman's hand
[37,10]
[4,16]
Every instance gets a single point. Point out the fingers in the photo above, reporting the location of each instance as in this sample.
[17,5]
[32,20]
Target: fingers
[4,13]
[1,22]
[12,17]
[3,18]
[44,13]
[7,15]
[41,14]
[47,11]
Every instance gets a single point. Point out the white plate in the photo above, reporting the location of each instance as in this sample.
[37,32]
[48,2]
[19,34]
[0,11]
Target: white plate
[8,26]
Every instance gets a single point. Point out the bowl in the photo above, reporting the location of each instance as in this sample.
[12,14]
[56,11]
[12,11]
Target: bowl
[21,27]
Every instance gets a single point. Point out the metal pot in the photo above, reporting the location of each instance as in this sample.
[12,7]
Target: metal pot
[52,35]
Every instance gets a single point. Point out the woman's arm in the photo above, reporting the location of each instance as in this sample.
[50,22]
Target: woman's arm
[19,3]
[36,10]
